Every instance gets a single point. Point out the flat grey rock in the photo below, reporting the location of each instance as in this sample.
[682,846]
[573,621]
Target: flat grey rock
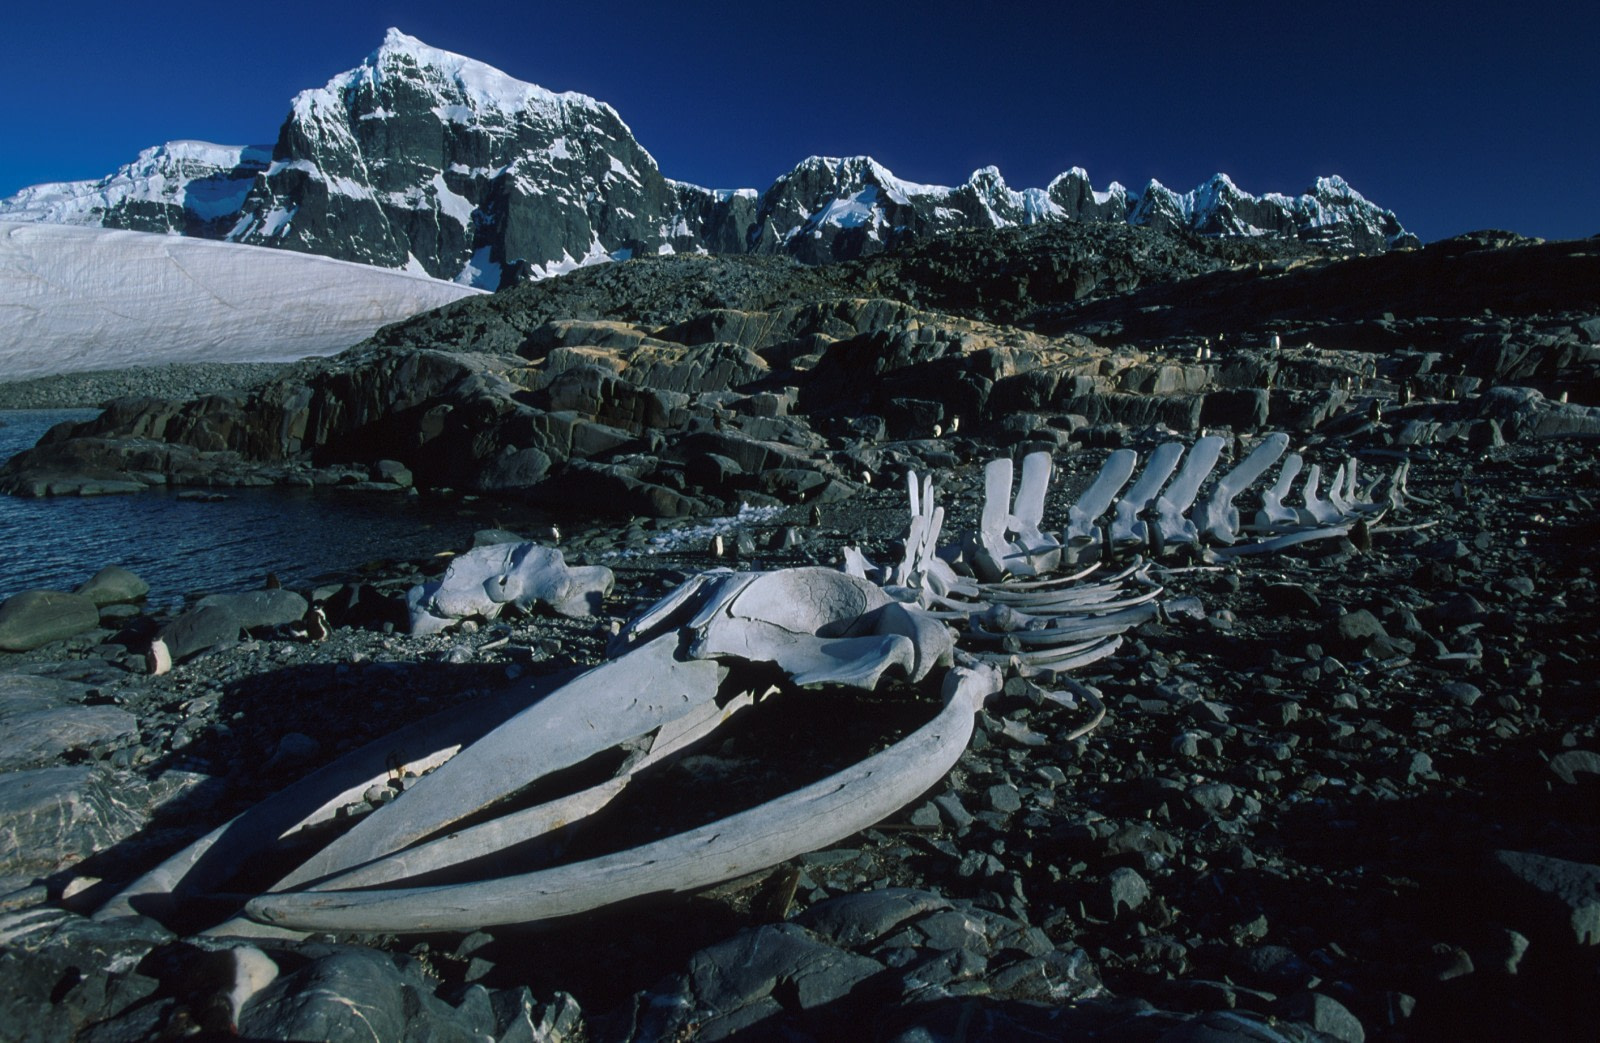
[36,735]
[259,608]
[861,918]
[1575,766]
[355,993]
[200,628]
[1560,900]
[104,963]
[747,967]
[51,818]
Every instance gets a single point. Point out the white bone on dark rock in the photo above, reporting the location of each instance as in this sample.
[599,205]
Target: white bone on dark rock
[1175,501]
[1218,518]
[1096,499]
[809,818]
[1127,526]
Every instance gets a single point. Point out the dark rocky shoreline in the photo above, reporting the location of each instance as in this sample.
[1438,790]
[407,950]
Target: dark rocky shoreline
[92,390]
[1356,799]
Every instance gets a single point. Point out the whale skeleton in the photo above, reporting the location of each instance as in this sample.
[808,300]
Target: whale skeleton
[669,685]
[454,851]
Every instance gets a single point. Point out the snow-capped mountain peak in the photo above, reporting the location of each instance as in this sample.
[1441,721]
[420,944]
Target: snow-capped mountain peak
[422,159]
[475,85]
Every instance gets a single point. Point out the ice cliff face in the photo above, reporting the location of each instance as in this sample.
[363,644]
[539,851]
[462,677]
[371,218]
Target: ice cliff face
[424,160]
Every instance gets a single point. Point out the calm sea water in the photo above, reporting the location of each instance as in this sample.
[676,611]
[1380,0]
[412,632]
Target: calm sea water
[181,547]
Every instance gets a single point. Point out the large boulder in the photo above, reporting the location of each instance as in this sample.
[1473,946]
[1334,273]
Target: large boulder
[51,818]
[37,617]
[192,633]
[258,608]
[114,585]
[1552,900]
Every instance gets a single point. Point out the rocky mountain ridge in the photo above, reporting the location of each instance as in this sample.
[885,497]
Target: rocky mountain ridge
[430,161]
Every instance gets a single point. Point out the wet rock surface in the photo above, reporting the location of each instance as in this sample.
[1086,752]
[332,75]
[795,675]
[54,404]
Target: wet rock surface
[1354,798]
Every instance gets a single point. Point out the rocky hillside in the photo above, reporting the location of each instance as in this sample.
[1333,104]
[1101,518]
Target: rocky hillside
[691,385]
[427,160]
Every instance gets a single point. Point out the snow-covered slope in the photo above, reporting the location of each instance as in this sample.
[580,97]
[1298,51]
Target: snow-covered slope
[424,160]
[76,299]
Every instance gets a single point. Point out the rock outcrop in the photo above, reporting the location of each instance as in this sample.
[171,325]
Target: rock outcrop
[694,385]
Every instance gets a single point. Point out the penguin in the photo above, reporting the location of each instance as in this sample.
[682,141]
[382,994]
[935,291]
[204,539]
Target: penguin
[158,660]
[217,986]
[316,623]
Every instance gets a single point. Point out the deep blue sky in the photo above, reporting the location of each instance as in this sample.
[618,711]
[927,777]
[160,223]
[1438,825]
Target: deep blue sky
[1455,115]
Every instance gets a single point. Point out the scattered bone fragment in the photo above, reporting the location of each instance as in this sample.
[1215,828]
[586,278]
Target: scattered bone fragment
[485,580]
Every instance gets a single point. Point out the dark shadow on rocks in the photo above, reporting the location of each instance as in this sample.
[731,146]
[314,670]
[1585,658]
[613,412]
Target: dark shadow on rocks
[1416,891]
[275,728]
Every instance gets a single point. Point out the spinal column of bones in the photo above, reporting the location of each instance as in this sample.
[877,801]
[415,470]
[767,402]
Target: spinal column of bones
[1001,589]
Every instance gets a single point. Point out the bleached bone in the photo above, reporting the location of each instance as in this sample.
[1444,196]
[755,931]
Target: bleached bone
[1096,499]
[207,863]
[520,827]
[1054,661]
[1317,511]
[1088,600]
[815,816]
[1283,542]
[612,703]
[921,570]
[1364,501]
[1023,590]
[1033,552]
[996,509]
[922,533]
[1081,628]
[1016,586]
[1028,512]
[1128,527]
[1174,503]
[814,624]
[1346,498]
[860,566]
[1336,498]
[1274,513]
[484,580]
[1218,518]
[1000,616]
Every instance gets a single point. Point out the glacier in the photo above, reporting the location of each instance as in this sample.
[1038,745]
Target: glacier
[75,299]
